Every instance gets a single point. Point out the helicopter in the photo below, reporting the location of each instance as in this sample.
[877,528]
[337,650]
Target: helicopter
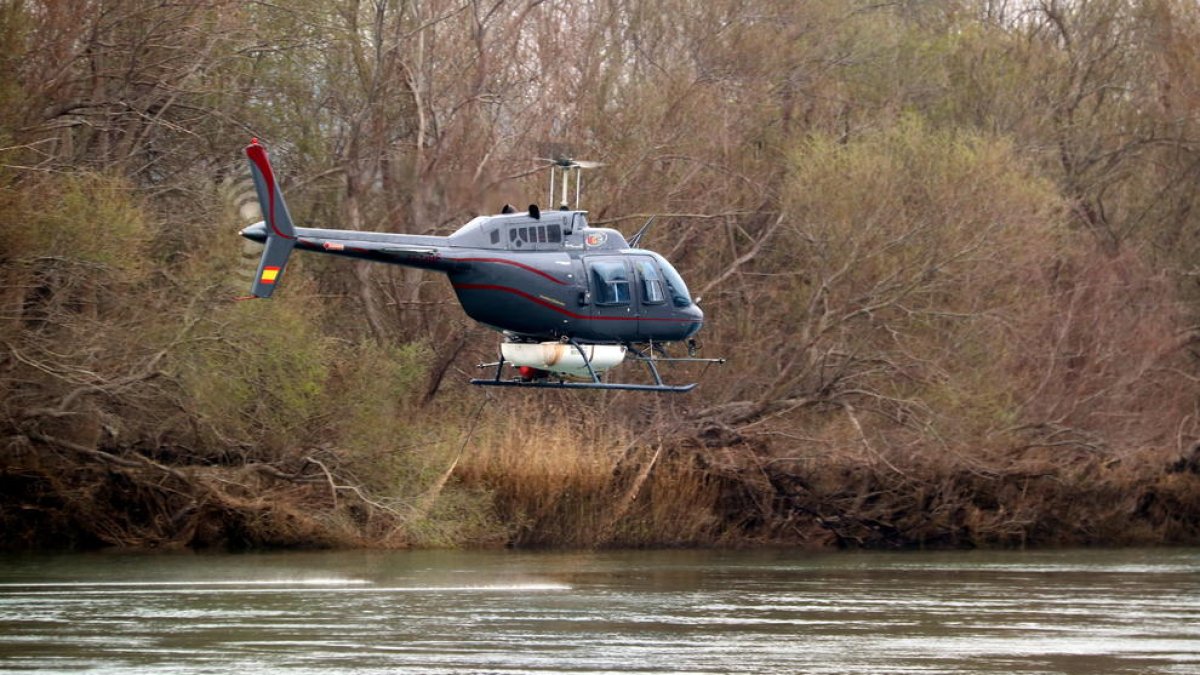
[572,301]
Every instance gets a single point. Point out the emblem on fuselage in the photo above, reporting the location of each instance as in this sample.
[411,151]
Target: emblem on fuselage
[596,238]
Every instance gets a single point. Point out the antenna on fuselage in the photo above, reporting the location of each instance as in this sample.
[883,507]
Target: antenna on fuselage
[636,240]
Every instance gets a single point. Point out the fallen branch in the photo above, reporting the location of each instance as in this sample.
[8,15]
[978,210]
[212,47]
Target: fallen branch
[140,462]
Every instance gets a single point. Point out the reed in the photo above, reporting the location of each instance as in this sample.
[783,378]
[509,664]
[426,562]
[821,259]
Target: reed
[562,485]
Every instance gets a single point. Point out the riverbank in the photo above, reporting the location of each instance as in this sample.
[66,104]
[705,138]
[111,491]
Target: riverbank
[512,491]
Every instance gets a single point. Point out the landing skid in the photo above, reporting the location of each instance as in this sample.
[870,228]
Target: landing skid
[563,384]
[647,358]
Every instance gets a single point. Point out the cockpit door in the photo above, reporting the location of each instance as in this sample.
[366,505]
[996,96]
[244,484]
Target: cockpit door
[612,307]
[666,311]
[652,293]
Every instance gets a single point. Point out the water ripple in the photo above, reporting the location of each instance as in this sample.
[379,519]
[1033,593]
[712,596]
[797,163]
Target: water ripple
[688,612]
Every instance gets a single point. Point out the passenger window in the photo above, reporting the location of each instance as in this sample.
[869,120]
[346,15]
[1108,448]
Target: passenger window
[516,237]
[534,236]
[652,283]
[495,234]
[610,279]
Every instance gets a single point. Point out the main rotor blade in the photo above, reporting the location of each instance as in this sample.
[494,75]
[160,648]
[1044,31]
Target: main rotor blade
[568,163]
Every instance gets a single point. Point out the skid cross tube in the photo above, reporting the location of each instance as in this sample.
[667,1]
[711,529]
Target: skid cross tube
[648,360]
[586,361]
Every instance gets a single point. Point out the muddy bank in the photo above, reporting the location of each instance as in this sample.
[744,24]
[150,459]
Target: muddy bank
[58,497]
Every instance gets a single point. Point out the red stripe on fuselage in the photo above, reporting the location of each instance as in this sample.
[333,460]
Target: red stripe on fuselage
[560,310]
[258,155]
[505,261]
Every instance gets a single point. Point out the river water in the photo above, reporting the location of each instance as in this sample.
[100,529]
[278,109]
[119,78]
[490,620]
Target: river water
[1078,611]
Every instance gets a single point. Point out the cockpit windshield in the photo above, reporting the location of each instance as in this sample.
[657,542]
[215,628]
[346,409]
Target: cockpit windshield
[675,286]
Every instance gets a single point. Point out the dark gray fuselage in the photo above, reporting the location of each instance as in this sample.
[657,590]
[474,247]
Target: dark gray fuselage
[546,277]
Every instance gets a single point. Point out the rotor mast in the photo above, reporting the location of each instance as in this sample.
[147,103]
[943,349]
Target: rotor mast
[565,165]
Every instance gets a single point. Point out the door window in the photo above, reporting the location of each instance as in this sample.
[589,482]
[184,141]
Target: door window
[610,282]
[651,281]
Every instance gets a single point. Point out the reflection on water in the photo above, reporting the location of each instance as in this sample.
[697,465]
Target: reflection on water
[675,611]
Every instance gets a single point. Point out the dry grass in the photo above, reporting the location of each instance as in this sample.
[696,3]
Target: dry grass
[557,485]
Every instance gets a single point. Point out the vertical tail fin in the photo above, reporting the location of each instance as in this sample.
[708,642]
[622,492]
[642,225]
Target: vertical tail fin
[281,234]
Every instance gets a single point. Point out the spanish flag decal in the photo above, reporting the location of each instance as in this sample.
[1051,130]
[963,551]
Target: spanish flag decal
[269,274]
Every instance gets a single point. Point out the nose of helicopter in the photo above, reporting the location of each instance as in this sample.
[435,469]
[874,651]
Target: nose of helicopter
[695,317]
